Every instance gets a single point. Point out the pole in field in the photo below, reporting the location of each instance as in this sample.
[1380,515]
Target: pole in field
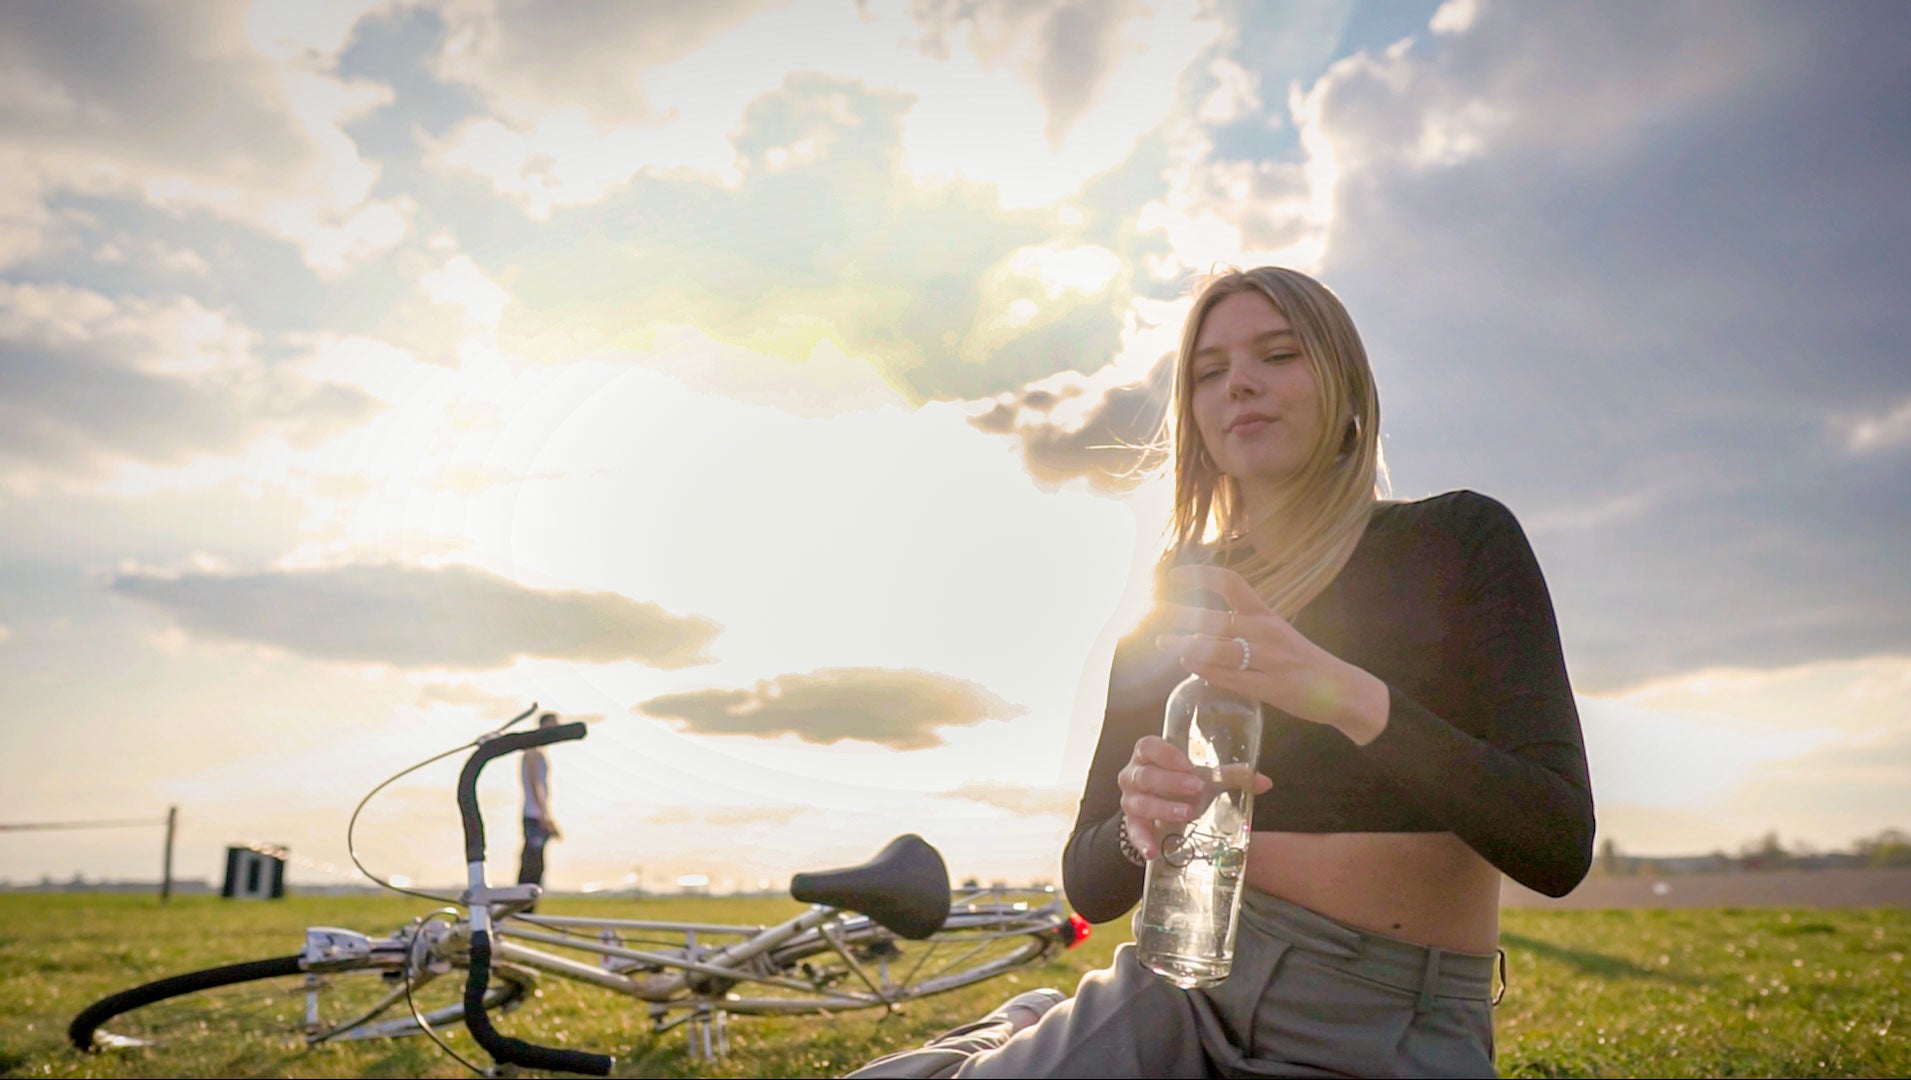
[166,874]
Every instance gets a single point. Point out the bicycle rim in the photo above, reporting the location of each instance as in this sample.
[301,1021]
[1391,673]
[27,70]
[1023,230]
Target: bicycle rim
[887,969]
[275,998]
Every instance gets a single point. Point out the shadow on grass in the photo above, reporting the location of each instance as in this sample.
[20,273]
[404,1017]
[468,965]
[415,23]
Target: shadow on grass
[1600,964]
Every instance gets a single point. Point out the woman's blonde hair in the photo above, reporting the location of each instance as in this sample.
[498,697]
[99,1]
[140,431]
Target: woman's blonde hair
[1289,551]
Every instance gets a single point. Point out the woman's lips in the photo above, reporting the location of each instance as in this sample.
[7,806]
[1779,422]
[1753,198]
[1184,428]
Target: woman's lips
[1249,426]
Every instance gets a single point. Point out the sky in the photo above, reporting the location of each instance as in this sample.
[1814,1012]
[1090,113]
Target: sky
[761,381]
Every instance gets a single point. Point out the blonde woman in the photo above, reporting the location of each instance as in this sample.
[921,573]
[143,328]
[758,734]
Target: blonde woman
[1420,737]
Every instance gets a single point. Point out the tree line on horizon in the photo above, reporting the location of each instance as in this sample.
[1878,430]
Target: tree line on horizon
[1888,848]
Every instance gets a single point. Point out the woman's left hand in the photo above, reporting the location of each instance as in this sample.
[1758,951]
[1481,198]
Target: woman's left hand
[1253,651]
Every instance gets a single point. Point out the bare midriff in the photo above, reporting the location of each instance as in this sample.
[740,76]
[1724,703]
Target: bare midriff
[1427,888]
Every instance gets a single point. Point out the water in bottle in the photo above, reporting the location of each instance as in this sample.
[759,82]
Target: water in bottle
[1184,930]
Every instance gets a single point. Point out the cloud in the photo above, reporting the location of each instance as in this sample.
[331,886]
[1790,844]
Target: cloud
[154,256]
[1067,51]
[825,383]
[1245,178]
[1640,754]
[1594,515]
[1234,95]
[1587,276]
[532,57]
[411,616]
[826,240]
[1094,427]
[899,708]
[828,220]
[570,111]
[460,284]
[1817,750]
[86,378]
[1545,160]
[1877,434]
[465,695]
[175,336]
[1866,694]
[727,817]
[1018,798]
[180,107]
[584,99]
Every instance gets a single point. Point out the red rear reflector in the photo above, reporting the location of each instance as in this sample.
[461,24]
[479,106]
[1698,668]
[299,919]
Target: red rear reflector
[1075,930]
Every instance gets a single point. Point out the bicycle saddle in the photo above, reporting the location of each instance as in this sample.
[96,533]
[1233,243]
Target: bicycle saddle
[905,887]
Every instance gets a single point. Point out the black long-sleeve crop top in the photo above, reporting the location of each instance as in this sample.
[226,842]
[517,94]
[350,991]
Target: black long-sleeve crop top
[1443,601]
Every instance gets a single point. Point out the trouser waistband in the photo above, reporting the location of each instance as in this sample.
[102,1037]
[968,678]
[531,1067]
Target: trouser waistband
[1419,969]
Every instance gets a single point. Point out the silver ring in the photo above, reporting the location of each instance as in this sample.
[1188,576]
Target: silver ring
[1246,652]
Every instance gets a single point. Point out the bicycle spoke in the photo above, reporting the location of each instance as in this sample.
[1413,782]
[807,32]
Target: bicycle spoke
[948,965]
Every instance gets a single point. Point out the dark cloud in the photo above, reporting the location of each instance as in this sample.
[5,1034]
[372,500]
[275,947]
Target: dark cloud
[1632,292]
[85,379]
[1803,564]
[186,107]
[71,414]
[409,616]
[902,709]
[169,86]
[1109,438]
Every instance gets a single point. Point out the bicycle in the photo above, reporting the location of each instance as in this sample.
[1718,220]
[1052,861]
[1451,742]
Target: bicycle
[875,935]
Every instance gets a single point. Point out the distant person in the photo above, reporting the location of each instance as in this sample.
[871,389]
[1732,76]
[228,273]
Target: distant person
[1420,735]
[540,825]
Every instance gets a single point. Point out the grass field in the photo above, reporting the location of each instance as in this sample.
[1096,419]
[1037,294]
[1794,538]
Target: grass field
[1694,992]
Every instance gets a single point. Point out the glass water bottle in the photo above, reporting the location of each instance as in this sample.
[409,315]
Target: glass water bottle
[1184,930]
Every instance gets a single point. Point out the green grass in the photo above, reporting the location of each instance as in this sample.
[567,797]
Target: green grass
[1725,992]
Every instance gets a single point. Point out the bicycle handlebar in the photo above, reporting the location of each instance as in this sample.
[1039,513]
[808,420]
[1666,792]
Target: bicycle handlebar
[468,779]
[503,1048]
[512,1051]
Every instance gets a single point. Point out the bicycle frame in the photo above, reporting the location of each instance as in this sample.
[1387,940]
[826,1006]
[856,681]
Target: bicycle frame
[670,984]
[676,986]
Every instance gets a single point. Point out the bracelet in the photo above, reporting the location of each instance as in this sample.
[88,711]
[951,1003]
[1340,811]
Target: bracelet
[1128,849]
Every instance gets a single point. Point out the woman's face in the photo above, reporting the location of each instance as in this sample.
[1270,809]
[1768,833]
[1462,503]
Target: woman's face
[1254,397]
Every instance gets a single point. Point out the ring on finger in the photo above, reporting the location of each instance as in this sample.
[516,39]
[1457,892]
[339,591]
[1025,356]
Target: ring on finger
[1247,653]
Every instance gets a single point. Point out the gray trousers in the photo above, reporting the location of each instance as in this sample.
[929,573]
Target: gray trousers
[1308,996]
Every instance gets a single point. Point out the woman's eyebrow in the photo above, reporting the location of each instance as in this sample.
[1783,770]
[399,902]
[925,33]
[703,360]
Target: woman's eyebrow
[1262,341]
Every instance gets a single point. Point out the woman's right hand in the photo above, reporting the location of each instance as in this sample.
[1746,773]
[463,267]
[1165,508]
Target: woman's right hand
[1160,785]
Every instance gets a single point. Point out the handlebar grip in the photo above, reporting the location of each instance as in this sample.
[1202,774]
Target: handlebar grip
[544,1057]
[505,1049]
[468,779]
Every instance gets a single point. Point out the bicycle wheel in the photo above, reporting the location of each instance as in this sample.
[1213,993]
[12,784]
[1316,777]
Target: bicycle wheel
[810,974]
[277,996]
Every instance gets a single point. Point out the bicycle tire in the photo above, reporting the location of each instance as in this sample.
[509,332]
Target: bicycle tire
[973,946]
[263,997]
